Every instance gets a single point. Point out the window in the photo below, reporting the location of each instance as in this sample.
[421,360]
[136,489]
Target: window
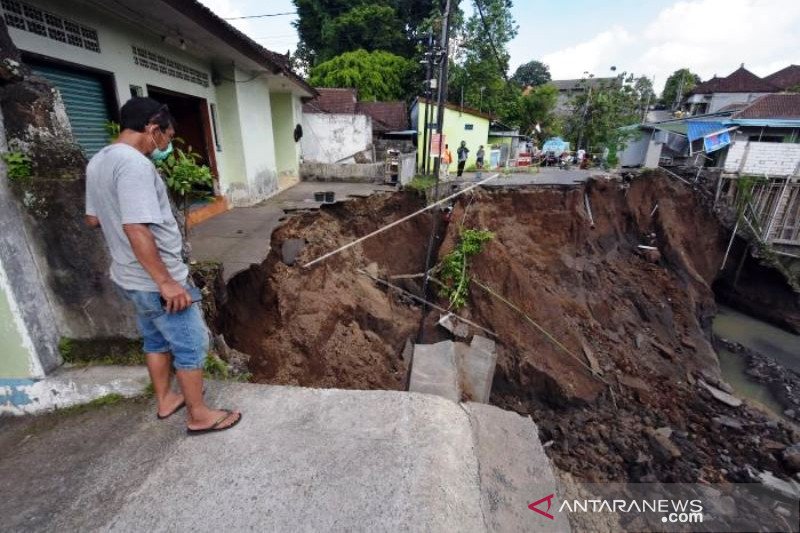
[26,17]
[136,91]
[469,127]
[147,59]
[214,127]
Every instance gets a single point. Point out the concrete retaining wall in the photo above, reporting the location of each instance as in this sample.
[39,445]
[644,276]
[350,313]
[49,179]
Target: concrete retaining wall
[773,159]
[367,173]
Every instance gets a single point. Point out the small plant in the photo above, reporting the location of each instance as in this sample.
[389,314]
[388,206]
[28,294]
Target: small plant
[185,176]
[454,268]
[112,130]
[215,368]
[420,184]
[18,166]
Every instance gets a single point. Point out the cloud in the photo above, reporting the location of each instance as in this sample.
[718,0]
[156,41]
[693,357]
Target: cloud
[227,9]
[708,36]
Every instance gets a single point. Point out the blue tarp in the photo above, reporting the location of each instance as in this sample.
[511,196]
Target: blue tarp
[697,129]
[557,145]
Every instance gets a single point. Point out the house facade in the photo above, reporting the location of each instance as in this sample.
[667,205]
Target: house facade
[236,104]
[740,88]
[460,124]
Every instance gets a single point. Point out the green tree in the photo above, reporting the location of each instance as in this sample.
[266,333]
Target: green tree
[683,80]
[601,111]
[480,65]
[537,106]
[328,28]
[378,75]
[532,74]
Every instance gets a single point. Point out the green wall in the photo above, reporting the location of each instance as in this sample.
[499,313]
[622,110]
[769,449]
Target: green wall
[455,131]
[14,358]
[228,120]
[283,130]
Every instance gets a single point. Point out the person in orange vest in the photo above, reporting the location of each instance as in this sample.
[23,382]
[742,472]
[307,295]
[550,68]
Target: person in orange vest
[447,158]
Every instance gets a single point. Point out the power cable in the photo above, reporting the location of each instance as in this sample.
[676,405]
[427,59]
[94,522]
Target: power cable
[262,16]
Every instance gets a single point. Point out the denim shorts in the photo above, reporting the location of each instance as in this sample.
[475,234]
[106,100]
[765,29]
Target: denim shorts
[184,334]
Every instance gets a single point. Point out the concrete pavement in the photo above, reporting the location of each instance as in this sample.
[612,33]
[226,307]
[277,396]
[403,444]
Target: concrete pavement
[545,176]
[300,460]
[241,237]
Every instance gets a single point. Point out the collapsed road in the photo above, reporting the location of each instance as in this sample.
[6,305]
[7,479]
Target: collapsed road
[631,390]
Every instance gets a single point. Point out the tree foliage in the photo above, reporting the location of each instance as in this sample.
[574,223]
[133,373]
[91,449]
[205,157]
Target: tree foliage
[602,110]
[480,64]
[532,74]
[378,75]
[680,77]
[536,106]
[328,28]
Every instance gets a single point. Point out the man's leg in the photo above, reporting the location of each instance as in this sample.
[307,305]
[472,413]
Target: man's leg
[187,335]
[159,365]
[200,416]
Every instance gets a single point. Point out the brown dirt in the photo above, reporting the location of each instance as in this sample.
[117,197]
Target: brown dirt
[646,320]
[329,326]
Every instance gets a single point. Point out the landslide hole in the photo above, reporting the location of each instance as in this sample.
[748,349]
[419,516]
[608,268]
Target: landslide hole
[329,326]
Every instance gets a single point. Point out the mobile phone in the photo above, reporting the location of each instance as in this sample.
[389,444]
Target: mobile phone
[194,293]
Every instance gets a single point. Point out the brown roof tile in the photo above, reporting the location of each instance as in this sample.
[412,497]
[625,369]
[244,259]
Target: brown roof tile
[740,81]
[785,78]
[338,101]
[772,106]
[386,116]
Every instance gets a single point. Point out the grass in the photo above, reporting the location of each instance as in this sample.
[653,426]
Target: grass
[420,184]
[97,403]
[101,352]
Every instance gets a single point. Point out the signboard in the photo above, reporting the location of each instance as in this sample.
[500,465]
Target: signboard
[716,141]
[436,144]
[524,159]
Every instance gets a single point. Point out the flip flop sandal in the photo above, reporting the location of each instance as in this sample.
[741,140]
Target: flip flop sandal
[215,426]
[178,408]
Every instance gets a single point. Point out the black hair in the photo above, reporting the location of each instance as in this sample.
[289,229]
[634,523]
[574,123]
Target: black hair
[138,112]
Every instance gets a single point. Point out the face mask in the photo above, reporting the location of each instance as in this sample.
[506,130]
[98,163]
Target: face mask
[158,154]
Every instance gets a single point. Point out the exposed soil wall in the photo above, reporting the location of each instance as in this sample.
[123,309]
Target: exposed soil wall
[644,316]
[329,326]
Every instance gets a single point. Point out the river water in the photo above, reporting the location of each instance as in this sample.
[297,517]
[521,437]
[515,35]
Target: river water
[762,337]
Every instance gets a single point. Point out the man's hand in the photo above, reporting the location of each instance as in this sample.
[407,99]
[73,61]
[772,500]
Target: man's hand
[92,221]
[176,297]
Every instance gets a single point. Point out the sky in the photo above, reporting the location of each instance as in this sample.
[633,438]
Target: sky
[652,38]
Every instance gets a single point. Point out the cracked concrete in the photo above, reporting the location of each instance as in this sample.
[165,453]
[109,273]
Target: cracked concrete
[301,460]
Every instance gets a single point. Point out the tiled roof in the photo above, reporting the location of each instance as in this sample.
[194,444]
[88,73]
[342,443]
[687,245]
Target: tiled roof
[338,101]
[785,78]
[386,116]
[772,106]
[740,81]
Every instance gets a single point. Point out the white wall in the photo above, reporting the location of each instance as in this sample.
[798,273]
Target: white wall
[720,100]
[773,159]
[330,138]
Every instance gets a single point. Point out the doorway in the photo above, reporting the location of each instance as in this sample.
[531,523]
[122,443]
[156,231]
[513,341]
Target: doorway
[193,126]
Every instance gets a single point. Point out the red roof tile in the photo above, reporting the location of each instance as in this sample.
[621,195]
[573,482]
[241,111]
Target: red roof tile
[740,81]
[338,101]
[785,78]
[386,116]
[772,106]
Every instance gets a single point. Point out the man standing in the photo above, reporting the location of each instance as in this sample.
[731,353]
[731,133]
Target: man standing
[447,158]
[127,199]
[463,154]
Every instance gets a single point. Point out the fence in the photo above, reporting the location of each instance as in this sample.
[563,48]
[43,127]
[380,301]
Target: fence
[772,209]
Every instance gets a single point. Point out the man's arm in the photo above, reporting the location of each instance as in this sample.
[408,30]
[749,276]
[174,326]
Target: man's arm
[92,221]
[144,247]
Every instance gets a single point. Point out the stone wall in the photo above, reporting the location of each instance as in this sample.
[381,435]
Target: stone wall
[353,173]
[70,260]
[773,159]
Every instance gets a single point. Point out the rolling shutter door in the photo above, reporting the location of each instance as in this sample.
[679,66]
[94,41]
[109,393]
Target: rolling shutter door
[87,106]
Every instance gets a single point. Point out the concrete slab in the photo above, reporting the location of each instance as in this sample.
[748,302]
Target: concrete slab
[301,460]
[434,370]
[476,368]
[241,237]
[514,470]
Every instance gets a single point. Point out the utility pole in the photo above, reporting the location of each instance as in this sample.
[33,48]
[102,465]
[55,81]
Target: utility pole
[445,51]
[429,61]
